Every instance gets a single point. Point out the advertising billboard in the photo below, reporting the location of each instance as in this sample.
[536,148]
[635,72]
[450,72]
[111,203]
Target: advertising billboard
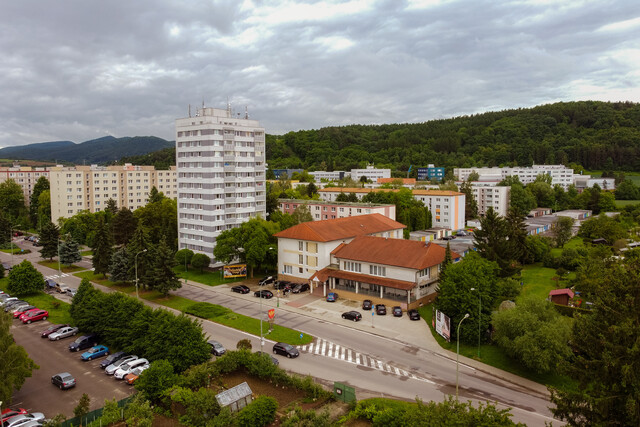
[238,270]
[442,325]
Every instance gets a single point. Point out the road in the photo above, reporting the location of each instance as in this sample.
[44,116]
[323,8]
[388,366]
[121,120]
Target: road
[383,366]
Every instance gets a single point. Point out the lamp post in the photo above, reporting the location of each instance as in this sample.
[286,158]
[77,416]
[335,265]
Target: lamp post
[466,316]
[59,271]
[479,316]
[11,240]
[136,260]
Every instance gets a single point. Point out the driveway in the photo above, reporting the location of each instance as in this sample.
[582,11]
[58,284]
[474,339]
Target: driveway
[53,357]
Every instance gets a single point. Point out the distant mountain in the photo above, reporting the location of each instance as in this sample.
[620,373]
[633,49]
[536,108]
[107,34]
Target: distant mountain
[96,151]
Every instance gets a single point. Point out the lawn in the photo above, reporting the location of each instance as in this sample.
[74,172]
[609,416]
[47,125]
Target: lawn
[574,243]
[99,279]
[492,355]
[64,268]
[58,310]
[537,281]
[86,253]
[623,203]
[16,251]
[206,277]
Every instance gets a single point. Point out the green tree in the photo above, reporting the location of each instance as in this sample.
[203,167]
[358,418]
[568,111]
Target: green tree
[160,218]
[44,208]
[183,257]
[24,279]
[543,193]
[12,200]
[84,404]
[200,261]
[120,266]
[123,226]
[42,184]
[70,252]
[139,248]
[155,196]
[49,240]
[16,365]
[110,412]
[562,232]
[200,406]
[102,249]
[605,361]
[81,226]
[260,412]
[533,333]
[470,203]
[164,278]
[455,297]
[522,199]
[302,214]
[154,381]
[627,190]
[604,227]
[139,412]
[5,229]
[111,207]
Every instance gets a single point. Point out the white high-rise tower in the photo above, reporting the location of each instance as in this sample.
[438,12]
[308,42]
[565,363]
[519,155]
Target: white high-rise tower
[221,175]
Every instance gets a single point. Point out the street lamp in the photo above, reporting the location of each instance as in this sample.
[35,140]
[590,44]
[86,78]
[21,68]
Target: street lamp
[466,316]
[136,259]
[59,271]
[479,316]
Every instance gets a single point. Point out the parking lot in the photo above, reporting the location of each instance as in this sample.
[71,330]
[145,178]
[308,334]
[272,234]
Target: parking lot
[53,357]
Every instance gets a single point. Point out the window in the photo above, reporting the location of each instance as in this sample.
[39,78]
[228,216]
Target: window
[426,272]
[300,259]
[353,266]
[377,270]
[300,246]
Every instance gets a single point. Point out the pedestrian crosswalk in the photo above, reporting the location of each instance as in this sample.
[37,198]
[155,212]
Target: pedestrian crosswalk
[56,276]
[326,348]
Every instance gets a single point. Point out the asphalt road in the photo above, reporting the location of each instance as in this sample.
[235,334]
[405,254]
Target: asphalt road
[430,376]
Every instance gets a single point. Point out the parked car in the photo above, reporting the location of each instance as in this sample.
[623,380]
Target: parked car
[217,349]
[273,359]
[397,311]
[413,314]
[50,285]
[266,281]
[112,358]
[22,309]
[241,289]
[352,315]
[9,413]
[126,368]
[95,352]
[285,350]
[332,297]
[281,285]
[381,309]
[111,369]
[51,329]
[131,377]
[13,303]
[5,299]
[34,316]
[462,233]
[263,293]
[300,287]
[64,380]
[25,420]
[83,342]
[61,288]
[367,304]
[71,292]
[7,267]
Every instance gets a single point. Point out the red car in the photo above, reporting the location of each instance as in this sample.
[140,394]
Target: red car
[10,413]
[34,315]
[19,312]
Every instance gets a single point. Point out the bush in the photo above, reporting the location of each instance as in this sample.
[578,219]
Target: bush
[307,418]
[206,310]
[244,344]
[200,406]
[110,412]
[139,412]
[200,261]
[24,279]
[155,380]
[83,406]
[260,412]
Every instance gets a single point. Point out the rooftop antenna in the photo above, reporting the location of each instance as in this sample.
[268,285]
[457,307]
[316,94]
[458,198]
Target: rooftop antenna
[228,108]
[189,110]
[203,102]
[246,112]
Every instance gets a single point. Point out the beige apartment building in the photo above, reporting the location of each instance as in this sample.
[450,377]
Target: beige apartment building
[25,176]
[79,188]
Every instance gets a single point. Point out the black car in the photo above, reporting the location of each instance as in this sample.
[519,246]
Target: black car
[381,309]
[112,358]
[285,350]
[83,342]
[273,359]
[63,381]
[266,281]
[352,315]
[241,289]
[397,311]
[413,314]
[263,293]
[51,329]
[217,349]
[367,304]
[281,285]
[300,287]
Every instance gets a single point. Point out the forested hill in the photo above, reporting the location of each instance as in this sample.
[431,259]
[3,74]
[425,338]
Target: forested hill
[596,135]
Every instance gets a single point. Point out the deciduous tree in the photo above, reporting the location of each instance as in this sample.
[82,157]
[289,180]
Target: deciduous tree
[183,257]
[200,261]
[102,248]
[42,184]
[123,226]
[562,232]
[24,279]
[15,365]
[12,200]
[155,380]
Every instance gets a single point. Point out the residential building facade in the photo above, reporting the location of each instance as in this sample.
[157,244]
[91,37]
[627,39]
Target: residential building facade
[79,188]
[431,173]
[221,175]
[306,248]
[559,174]
[25,176]
[492,197]
[370,173]
[321,210]
[329,176]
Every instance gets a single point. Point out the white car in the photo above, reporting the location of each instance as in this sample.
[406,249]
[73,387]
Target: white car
[111,369]
[23,420]
[126,368]
[67,331]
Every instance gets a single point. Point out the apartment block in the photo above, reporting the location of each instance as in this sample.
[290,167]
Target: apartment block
[80,188]
[328,176]
[321,210]
[431,173]
[370,173]
[492,197]
[221,175]
[25,176]
[559,174]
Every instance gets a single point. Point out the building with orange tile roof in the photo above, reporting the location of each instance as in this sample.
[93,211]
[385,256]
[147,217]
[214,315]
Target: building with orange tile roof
[306,248]
[386,271]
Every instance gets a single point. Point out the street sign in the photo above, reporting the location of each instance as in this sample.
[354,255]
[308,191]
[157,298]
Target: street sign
[272,313]
[301,335]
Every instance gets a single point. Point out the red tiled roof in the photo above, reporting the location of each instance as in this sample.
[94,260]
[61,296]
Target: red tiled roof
[565,291]
[398,252]
[325,273]
[372,190]
[391,180]
[340,228]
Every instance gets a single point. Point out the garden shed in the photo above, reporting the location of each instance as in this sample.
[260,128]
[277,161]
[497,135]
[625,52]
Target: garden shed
[561,296]
[236,397]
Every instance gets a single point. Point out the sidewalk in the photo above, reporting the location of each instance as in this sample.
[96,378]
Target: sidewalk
[410,333]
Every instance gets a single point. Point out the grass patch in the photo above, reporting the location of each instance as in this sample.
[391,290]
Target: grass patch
[16,251]
[86,253]
[64,268]
[225,316]
[537,281]
[574,243]
[99,279]
[58,310]
[171,301]
[623,203]
[493,355]
[211,278]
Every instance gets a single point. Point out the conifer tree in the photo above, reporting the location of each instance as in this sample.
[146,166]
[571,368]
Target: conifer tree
[49,241]
[70,252]
[164,278]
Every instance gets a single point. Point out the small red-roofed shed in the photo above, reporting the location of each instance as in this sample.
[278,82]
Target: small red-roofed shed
[561,296]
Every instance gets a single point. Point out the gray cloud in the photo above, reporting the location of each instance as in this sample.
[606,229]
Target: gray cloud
[82,69]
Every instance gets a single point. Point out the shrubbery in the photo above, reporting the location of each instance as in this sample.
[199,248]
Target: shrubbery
[260,412]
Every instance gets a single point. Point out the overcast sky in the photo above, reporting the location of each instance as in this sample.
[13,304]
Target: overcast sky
[81,69]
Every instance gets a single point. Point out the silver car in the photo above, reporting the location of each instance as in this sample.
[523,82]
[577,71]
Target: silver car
[65,332]
[111,369]
[24,420]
